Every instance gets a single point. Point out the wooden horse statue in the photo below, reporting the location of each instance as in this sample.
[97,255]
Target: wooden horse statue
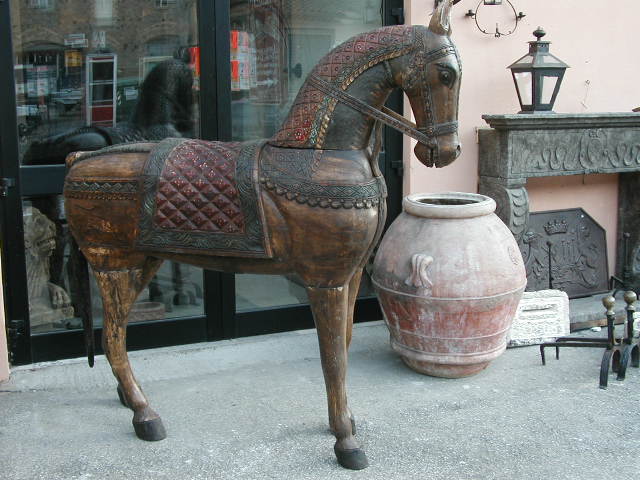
[308,202]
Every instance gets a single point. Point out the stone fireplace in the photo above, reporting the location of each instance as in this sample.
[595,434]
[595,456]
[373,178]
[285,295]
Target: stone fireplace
[519,147]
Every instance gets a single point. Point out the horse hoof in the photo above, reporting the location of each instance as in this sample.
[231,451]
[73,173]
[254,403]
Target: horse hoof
[150,430]
[123,400]
[354,459]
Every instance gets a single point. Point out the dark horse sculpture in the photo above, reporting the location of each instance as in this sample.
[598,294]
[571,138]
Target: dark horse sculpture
[163,109]
[309,202]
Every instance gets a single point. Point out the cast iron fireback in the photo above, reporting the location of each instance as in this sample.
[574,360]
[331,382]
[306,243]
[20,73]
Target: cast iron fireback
[578,263]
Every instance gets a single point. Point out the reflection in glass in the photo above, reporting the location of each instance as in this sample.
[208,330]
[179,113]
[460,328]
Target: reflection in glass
[274,45]
[83,83]
[89,74]
[176,291]
[56,296]
[49,300]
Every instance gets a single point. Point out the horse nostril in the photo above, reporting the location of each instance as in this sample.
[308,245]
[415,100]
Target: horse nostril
[458,149]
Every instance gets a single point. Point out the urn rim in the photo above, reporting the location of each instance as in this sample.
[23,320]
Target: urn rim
[448,205]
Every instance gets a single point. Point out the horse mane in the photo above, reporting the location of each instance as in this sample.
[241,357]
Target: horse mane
[340,66]
[354,53]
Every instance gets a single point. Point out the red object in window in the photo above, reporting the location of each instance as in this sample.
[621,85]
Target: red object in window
[234,39]
[102,115]
[194,60]
[235,70]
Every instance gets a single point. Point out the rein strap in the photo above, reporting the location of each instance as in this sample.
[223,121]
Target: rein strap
[384,115]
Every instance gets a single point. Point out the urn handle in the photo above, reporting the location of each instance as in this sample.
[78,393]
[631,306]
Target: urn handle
[419,279]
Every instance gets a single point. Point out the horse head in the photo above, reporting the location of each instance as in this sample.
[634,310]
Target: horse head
[430,76]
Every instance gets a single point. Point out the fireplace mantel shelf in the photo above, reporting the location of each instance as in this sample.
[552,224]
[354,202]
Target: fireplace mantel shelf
[544,145]
[551,121]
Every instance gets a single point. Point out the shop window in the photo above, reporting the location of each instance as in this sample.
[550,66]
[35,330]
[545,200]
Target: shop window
[86,88]
[274,45]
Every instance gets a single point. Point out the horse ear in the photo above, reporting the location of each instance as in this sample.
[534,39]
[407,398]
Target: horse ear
[441,19]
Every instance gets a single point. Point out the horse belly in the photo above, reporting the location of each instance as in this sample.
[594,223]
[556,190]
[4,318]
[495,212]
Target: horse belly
[328,245]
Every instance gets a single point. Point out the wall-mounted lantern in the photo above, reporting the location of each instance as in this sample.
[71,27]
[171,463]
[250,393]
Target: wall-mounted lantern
[538,76]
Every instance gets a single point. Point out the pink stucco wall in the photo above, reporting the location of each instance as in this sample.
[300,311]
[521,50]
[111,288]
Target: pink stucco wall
[597,39]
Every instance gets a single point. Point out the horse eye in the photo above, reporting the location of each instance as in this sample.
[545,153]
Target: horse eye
[446,77]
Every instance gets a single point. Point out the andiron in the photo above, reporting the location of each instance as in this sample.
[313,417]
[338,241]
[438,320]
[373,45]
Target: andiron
[619,351]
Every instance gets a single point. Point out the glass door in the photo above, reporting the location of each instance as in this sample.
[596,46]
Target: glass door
[274,45]
[89,74]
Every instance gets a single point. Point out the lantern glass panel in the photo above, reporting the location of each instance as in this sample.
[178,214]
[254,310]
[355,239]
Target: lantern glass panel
[523,81]
[548,87]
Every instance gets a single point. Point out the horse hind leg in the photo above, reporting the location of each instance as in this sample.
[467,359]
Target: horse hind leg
[329,306]
[120,278]
[149,270]
[354,288]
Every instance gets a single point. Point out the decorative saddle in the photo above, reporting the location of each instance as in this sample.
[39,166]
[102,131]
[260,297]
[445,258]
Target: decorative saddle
[203,197]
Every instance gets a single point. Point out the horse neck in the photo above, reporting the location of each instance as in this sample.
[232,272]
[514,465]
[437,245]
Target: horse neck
[318,121]
[349,129]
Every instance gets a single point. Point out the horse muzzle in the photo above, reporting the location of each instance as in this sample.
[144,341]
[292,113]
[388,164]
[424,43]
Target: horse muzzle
[440,153]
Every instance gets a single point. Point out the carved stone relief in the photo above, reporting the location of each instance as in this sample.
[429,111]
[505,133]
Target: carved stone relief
[591,150]
[512,203]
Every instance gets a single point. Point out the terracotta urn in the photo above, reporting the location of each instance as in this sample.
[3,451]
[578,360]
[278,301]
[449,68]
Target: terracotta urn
[449,276]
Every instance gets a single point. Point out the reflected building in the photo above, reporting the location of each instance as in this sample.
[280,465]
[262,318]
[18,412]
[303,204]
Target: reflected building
[80,63]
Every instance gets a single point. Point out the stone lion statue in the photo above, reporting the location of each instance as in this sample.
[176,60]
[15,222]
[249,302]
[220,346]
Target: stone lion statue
[49,304]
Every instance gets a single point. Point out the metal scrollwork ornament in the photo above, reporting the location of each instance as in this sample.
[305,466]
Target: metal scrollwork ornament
[497,33]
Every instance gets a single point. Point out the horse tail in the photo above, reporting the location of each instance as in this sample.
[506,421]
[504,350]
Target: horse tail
[81,295]
[79,286]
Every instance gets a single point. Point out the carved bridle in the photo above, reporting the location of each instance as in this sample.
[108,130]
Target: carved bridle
[426,135]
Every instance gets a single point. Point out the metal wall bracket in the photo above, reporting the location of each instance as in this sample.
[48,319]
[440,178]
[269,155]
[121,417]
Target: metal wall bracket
[497,33]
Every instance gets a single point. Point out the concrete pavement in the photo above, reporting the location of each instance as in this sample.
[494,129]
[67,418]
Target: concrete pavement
[255,408]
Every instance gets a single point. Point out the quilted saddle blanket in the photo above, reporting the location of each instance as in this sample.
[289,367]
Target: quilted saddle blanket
[203,197]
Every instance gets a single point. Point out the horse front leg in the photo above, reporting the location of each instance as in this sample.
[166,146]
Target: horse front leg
[329,306]
[119,289]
